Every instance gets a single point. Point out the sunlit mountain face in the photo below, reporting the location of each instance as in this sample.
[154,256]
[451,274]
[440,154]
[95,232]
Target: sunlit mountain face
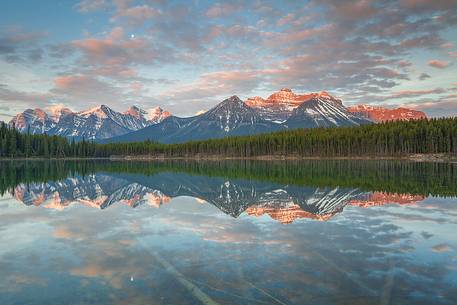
[318,197]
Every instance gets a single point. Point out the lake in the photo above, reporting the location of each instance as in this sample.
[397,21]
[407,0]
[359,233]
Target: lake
[232,232]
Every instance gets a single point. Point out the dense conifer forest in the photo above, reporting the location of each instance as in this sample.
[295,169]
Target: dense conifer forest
[385,139]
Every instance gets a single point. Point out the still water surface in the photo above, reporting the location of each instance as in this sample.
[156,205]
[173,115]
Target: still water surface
[315,232]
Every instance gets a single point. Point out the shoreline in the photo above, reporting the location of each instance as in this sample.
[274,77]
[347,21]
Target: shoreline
[412,157]
[451,158]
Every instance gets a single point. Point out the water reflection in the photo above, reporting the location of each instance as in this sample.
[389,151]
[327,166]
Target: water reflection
[188,234]
[284,203]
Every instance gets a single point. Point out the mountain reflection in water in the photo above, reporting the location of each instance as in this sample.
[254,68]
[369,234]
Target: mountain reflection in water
[283,203]
[236,193]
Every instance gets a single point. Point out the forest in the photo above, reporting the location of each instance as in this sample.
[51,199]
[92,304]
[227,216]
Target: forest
[395,138]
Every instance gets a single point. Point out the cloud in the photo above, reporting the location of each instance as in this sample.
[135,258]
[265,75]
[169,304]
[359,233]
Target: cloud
[222,9]
[351,10]
[116,56]
[22,97]
[406,94]
[443,106]
[87,6]
[404,63]
[440,64]
[221,83]
[77,88]
[286,19]
[136,15]
[441,248]
[424,76]
[425,5]
[17,45]
[210,88]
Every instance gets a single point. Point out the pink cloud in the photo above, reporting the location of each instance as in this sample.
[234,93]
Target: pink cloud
[440,64]
[65,82]
[286,19]
[138,14]
[352,10]
[86,6]
[423,5]
[114,49]
[88,89]
[222,9]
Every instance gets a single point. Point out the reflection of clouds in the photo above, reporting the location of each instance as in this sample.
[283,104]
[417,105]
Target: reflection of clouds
[311,261]
[441,248]
[426,235]
[64,232]
[14,282]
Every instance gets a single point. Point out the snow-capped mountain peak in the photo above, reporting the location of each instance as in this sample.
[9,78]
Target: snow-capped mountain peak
[156,115]
[101,112]
[321,111]
[280,105]
[57,111]
[136,112]
[33,120]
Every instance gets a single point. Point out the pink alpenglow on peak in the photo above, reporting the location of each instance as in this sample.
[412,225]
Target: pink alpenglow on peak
[157,115]
[33,121]
[136,112]
[381,114]
[279,105]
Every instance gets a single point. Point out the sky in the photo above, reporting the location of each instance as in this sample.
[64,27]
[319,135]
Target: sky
[187,56]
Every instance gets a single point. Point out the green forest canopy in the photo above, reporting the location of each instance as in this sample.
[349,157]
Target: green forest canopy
[384,139]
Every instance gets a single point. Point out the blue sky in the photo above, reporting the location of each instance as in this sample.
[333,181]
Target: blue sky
[186,56]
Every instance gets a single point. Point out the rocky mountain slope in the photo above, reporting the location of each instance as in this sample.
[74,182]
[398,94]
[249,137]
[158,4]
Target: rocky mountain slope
[323,111]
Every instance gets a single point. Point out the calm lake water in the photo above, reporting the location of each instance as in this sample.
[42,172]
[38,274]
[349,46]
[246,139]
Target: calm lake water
[315,232]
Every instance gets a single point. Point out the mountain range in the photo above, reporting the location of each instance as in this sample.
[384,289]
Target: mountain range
[97,123]
[232,117]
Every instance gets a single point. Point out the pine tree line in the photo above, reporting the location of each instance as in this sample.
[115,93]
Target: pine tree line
[385,139]
[15,144]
